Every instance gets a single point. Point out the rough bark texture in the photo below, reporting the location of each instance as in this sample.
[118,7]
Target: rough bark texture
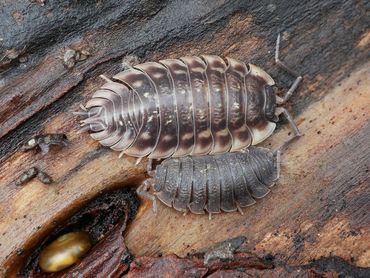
[320,206]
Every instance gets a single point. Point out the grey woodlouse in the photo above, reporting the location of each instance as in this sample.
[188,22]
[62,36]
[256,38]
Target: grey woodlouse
[187,106]
[213,183]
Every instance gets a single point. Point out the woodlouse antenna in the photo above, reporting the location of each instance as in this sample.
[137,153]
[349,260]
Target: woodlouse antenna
[282,65]
[277,59]
[240,210]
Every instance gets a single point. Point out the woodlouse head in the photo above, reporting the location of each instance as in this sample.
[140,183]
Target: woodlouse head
[270,104]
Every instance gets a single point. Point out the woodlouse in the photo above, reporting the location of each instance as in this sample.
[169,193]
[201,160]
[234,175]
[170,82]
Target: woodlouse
[31,173]
[213,183]
[187,106]
[44,141]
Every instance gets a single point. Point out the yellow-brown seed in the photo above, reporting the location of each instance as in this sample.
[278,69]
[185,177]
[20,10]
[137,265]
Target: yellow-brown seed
[64,251]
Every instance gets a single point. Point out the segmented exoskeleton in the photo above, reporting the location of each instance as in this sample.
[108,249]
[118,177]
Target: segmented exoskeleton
[187,106]
[214,183]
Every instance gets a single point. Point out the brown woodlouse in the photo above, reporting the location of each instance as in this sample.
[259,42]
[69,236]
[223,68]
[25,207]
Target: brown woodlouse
[187,106]
[31,173]
[213,183]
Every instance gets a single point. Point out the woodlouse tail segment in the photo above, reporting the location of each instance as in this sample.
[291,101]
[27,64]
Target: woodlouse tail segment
[89,119]
[86,113]
[108,116]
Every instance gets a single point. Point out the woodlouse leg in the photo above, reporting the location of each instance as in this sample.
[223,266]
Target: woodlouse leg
[138,161]
[240,209]
[296,82]
[142,191]
[149,167]
[282,110]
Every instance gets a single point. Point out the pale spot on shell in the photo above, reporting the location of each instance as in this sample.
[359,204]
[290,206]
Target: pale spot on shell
[167,138]
[146,135]
[223,132]
[157,75]
[187,136]
[204,134]
[178,72]
[243,128]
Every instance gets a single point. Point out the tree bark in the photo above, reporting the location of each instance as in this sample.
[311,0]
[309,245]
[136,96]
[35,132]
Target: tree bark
[319,207]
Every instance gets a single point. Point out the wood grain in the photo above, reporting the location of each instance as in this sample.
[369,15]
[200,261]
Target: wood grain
[320,205]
